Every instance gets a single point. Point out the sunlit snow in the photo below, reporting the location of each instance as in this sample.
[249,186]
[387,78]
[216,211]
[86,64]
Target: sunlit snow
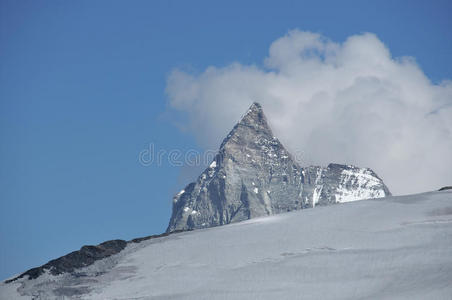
[390,248]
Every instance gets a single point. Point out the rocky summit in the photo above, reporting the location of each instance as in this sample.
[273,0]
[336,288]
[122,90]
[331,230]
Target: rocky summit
[253,175]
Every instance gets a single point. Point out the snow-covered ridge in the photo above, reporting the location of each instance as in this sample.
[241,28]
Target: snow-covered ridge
[365,184]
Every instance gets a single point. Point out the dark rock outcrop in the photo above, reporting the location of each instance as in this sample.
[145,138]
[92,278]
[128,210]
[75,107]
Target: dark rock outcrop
[86,256]
[445,188]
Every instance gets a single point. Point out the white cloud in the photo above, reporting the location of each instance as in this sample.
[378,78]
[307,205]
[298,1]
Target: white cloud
[347,102]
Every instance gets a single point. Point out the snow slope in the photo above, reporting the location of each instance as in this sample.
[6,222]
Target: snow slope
[387,248]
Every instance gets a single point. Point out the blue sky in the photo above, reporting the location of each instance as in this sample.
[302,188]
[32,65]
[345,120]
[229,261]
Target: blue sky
[82,92]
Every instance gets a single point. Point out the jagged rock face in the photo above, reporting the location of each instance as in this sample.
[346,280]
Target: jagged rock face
[340,183]
[253,175]
[87,255]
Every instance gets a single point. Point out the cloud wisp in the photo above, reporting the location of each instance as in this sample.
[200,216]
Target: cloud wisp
[349,102]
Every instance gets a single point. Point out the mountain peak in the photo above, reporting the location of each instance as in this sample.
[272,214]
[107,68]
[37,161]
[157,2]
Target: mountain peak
[253,123]
[255,106]
[253,175]
[255,113]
